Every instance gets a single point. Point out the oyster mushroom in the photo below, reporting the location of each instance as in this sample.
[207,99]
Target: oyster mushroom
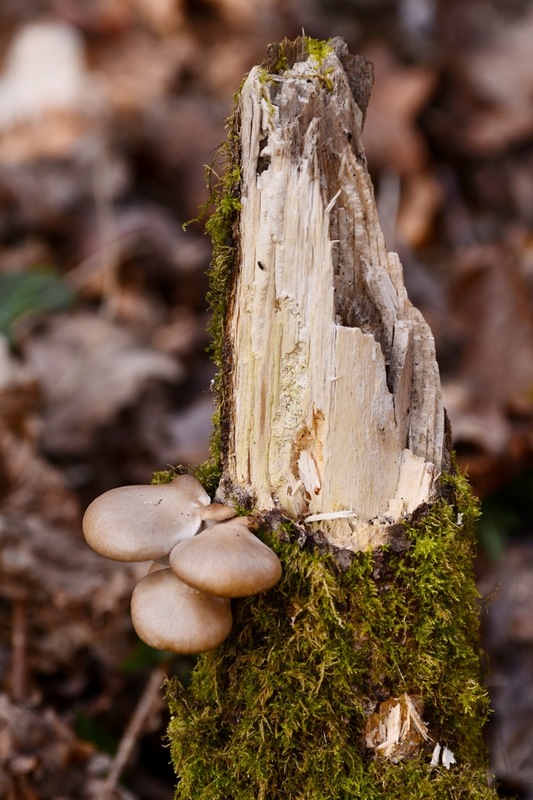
[217,512]
[226,560]
[142,523]
[169,615]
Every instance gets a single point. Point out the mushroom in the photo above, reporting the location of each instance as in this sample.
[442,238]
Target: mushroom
[142,523]
[226,560]
[169,615]
[185,609]
[217,512]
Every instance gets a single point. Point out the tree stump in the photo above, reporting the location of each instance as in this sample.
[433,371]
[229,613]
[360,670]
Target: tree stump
[333,399]
[359,675]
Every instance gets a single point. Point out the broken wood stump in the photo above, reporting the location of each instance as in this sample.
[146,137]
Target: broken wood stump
[333,397]
[359,674]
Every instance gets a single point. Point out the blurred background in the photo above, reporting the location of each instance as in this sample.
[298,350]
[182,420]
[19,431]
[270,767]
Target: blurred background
[109,110]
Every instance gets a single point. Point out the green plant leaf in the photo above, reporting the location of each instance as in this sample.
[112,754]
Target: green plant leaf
[34,291]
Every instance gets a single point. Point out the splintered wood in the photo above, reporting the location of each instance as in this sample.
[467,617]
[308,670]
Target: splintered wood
[335,397]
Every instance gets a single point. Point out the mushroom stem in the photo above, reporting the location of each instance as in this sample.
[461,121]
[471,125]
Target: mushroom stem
[216,512]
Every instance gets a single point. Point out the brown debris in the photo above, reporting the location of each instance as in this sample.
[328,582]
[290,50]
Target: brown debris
[40,756]
[396,730]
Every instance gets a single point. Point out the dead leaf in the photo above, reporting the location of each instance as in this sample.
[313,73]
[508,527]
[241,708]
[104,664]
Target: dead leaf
[420,200]
[89,369]
[494,313]
[392,139]
[500,71]
[40,756]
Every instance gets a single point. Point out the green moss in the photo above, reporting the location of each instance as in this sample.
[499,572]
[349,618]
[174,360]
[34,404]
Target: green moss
[207,473]
[224,195]
[415,781]
[318,49]
[220,229]
[279,710]
[282,56]
[166,475]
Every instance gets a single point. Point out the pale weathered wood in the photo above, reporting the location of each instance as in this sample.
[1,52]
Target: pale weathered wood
[334,399]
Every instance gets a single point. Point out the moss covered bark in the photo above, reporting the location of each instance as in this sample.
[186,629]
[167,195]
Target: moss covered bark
[279,711]
[282,709]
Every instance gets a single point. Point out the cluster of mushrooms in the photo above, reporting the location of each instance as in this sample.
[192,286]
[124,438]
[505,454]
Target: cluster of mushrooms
[202,554]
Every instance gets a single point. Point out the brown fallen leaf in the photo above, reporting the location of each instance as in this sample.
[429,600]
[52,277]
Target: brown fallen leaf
[40,756]
[420,201]
[89,369]
[391,136]
[499,69]
[493,310]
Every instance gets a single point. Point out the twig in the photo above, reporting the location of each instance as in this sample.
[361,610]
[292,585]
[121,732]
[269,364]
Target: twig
[133,731]
[18,650]
[109,246]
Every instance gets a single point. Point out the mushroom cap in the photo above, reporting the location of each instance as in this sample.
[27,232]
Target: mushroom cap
[169,615]
[226,560]
[217,512]
[143,523]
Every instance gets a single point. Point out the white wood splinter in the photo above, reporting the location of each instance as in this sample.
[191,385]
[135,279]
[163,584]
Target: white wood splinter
[335,394]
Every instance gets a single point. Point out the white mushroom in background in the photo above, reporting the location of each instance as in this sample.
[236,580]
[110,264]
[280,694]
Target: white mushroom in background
[45,71]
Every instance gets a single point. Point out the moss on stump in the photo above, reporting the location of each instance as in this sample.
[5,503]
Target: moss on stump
[279,710]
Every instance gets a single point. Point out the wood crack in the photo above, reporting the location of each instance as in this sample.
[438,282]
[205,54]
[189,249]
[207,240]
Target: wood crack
[327,325]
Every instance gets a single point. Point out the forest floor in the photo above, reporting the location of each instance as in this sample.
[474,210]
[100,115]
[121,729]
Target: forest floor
[108,113]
